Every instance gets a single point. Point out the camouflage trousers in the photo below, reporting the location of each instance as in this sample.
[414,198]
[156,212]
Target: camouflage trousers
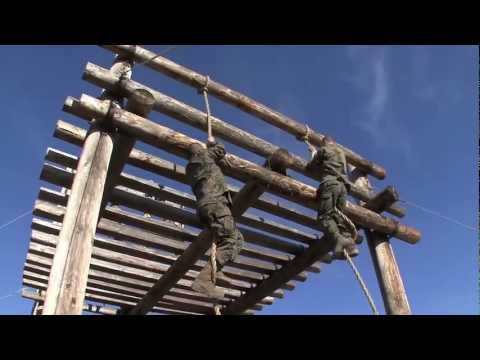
[217,217]
[332,194]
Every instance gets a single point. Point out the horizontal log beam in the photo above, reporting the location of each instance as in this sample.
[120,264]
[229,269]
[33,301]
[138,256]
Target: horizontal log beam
[104,310]
[187,200]
[139,201]
[180,144]
[187,114]
[43,245]
[126,268]
[238,100]
[75,135]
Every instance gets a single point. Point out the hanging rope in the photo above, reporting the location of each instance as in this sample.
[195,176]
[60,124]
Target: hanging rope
[351,225]
[362,283]
[204,92]
[213,250]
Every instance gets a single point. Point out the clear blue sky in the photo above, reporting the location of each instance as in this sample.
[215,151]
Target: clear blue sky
[413,109]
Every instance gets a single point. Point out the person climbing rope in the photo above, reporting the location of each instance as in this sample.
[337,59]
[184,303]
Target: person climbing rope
[330,164]
[214,211]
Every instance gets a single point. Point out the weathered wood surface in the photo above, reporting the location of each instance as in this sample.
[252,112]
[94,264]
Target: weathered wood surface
[139,102]
[179,144]
[104,310]
[66,290]
[125,268]
[76,135]
[182,112]
[181,198]
[149,240]
[387,271]
[138,201]
[119,268]
[237,99]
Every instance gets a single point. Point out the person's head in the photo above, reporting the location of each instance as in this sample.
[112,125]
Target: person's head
[328,140]
[196,148]
[216,150]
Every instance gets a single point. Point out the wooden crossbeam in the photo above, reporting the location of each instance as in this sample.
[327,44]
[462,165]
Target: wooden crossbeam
[386,269]
[241,101]
[198,248]
[185,113]
[179,144]
[138,201]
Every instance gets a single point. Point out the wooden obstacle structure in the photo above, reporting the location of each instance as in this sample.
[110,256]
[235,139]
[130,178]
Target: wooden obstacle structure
[93,250]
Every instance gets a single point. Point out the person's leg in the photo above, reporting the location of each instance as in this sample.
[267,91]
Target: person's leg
[330,196]
[204,281]
[344,227]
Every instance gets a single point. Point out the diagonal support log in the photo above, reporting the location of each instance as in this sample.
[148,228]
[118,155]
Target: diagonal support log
[241,101]
[200,246]
[196,118]
[179,144]
[386,268]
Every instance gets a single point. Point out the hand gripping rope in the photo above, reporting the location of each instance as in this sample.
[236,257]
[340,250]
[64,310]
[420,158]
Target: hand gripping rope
[213,251]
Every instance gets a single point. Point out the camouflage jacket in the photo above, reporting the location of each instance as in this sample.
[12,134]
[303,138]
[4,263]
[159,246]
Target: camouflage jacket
[206,179]
[330,164]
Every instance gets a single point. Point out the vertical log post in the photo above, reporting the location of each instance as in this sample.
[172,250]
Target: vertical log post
[68,277]
[386,269]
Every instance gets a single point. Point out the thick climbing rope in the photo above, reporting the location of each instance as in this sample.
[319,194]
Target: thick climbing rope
[353,231]
[213,251]
[362,283]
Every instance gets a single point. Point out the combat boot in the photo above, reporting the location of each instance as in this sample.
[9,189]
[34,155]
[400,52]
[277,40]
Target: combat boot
[342,242]
[204,284]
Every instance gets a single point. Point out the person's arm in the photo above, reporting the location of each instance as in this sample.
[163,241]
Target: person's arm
[313,150]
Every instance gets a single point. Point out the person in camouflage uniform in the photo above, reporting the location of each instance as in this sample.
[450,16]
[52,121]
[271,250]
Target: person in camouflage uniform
[330,164]
[214,211]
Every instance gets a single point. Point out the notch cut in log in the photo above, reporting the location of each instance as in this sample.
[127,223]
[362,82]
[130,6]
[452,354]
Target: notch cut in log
[179,144]
[196,118]
[241,101]
[393,292]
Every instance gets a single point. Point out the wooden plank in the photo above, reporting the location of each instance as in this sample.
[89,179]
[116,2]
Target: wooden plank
[197,248]
[107,297]
[180,144]
[182,112]
[386,268]
[165,193]
[139,201]
[75,135]
[66,290]
[238,100]
[127,270]
[140,256]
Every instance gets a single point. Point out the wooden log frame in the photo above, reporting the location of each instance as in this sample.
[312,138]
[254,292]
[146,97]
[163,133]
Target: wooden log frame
[251,191]
[102,157]
[387,271]
[182,112]
[241,101]
[62,178]
[125,268]
[179,144]
[286,273]
[252,270]
[76,135]
[43,245]
[139,201]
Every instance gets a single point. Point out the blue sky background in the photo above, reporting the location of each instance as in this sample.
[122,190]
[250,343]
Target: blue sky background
[412,109]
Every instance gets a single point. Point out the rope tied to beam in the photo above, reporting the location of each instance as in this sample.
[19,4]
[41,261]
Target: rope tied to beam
[204,91]
[213,251]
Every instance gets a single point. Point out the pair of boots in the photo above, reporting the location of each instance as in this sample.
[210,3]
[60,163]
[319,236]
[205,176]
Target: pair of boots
[341,242]
[204,283]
